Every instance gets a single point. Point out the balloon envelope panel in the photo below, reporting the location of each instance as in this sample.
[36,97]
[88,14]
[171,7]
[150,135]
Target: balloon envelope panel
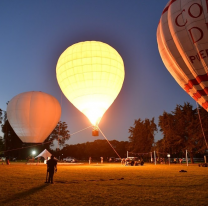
[33,115]
[91,75]
[182,37]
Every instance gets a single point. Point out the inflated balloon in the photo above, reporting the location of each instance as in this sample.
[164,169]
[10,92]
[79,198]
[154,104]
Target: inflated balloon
[33,115]
[182,37]
[91,75]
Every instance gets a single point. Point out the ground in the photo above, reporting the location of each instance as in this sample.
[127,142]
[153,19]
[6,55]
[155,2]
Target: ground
[107,184]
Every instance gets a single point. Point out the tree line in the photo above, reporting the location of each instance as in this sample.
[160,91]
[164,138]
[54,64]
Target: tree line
[95,150]
[180,129]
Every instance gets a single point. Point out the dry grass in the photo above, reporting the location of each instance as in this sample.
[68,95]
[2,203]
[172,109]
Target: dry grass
[22,184]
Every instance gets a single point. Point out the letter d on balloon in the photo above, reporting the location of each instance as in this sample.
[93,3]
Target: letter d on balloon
[192,36]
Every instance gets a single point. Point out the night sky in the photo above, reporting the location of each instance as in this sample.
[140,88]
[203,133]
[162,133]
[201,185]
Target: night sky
[33,34]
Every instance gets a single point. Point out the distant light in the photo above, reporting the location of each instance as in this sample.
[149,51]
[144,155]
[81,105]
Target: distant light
[33,152]
[168,155]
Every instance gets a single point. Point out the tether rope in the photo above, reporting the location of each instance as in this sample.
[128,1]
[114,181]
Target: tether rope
[46,142]
[109,142]
[201,125]
[59,126]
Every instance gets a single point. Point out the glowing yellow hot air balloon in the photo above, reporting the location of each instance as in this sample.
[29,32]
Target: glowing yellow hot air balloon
[33,115]
[91,75]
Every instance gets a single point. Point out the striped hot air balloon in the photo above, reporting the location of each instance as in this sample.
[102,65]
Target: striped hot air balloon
[182,37]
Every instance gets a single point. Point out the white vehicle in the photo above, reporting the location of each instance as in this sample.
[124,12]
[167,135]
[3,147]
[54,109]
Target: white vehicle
[74,161]
[68,159]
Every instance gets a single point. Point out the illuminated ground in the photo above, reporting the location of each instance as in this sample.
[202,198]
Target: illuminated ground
[107,184]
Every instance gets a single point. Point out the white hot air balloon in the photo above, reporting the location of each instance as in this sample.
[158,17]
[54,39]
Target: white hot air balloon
[33,115]
[91,75]
[182,37]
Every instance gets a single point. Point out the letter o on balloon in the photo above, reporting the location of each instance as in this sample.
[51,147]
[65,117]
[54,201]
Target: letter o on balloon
[91,75]
[33,115]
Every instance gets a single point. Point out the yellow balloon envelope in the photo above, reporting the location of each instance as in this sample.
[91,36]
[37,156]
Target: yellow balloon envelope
[33,115]
[91,75]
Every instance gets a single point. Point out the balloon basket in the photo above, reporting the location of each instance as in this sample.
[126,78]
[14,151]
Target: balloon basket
[95,132]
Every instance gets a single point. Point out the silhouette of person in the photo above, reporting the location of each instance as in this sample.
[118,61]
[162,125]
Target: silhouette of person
[51,168]
[7,160]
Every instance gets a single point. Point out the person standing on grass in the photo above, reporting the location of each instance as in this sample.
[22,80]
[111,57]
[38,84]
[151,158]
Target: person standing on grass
[51,168]
[123,161]
[7,160]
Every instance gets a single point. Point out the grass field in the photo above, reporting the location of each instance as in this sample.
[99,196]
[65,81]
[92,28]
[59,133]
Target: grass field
[107,184]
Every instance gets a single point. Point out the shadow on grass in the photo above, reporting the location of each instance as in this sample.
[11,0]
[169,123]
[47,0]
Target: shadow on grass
[97,165]
[24,194]
[78,181]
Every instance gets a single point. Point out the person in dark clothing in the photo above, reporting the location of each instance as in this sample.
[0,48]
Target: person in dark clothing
[51,168]
[7,160]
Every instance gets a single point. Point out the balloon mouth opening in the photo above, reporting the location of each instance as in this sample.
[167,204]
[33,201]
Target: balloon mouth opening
[94,120]
[94,115]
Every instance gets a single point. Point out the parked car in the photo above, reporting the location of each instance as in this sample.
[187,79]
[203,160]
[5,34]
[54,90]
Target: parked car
[69,159]
[134,161]
[74,161]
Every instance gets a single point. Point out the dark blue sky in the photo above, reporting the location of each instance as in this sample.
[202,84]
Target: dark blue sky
[33,34]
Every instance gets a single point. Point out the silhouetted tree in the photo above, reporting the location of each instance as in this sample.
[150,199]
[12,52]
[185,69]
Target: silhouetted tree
[16,148]
[1,138]
[182,131]
[1,116]
[59,134]
[96,149]
[11,140]
[203,121]
[142,135]
[1,145]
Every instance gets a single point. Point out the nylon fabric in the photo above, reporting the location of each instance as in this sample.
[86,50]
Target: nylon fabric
[91,75]
[33,115]
[182,37]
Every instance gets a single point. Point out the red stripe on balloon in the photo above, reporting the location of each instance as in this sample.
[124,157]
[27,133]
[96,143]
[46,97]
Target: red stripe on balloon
[200,93]
[196,96]
[167,7]
[196,81]
[203,92]
[205,105]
